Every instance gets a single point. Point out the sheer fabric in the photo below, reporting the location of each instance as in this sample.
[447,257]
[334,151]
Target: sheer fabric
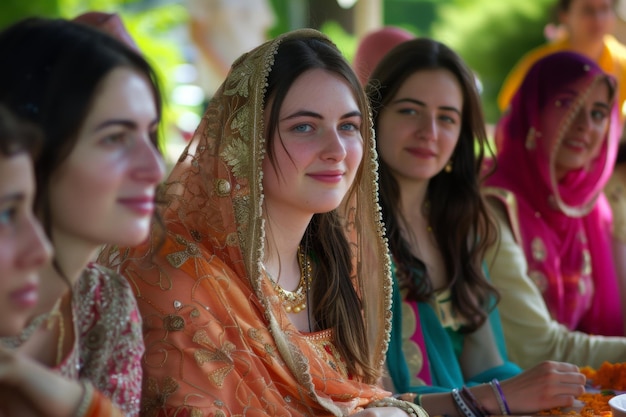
[218,340]
[562,225]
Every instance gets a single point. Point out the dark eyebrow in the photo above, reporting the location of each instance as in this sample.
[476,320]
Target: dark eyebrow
[129,124]
[306,113]
[12,198]
[602,104]
[422,104]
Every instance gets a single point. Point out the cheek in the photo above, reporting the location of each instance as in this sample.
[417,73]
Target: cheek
[354,154]
[598,139]
[7,257]
[448,141]
[82,186]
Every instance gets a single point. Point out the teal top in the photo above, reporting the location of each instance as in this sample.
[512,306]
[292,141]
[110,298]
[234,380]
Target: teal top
[429,362]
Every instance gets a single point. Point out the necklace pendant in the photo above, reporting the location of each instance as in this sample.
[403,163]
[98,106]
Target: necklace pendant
[295,301]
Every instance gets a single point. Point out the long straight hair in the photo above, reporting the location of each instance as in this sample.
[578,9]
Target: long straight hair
[336,303]
[461,224]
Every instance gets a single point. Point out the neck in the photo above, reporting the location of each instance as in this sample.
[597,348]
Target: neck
[284,231]
[591,50]
[412,197]
[72,256]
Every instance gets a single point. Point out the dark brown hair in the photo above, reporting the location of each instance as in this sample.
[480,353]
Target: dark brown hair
[336,303]
[457,214]
[56,69]
[16,137]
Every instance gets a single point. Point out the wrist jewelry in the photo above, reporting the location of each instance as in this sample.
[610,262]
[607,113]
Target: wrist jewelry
[497,390]
[410,408]
[472,402]
[85,400]
[461,405]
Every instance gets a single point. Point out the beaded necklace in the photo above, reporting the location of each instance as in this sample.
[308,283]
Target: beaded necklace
[295,301]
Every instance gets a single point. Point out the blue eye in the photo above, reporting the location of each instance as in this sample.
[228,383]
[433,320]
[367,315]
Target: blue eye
[115,138]
[407,111]
[448,119]
[7,216]
[350,126]
[598,115]
[303,128]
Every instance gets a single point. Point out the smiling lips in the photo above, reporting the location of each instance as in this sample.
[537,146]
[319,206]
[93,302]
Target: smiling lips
[26,296]
[421,152]
[330,177]
[576,145]
[140,205]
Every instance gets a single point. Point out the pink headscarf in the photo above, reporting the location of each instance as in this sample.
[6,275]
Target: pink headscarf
[109,23]
[374,46]
[565,225]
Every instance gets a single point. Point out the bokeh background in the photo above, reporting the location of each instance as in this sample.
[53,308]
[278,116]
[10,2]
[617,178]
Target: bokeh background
[491,35]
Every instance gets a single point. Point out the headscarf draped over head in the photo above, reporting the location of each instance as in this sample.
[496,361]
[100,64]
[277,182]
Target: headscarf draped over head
[374,46]
[110,23]
[217,338]
[564,223]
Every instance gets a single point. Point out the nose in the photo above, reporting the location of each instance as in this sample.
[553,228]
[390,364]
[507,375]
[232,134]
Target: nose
[334,148]
[35,249]
[150,166]
[427,127]
[582,120]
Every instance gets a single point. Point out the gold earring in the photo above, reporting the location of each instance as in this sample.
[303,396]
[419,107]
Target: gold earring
[448,167]
[531,140]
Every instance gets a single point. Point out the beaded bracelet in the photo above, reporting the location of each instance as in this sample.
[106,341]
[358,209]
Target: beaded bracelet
[473,403]
[462,406]
[85,400]
[500,398]
[410,408]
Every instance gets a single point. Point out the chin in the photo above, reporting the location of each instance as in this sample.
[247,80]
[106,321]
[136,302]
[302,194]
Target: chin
[12,328]
[132,235]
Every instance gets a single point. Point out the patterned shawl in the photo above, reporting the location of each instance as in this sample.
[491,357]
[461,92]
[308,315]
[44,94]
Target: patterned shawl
[218,341]
[565,225]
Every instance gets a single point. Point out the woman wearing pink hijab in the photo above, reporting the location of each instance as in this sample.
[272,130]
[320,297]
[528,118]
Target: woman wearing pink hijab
[374,46]
[553,265]
[110,23]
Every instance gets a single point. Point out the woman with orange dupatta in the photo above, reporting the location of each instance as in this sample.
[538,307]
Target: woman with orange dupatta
[268,292]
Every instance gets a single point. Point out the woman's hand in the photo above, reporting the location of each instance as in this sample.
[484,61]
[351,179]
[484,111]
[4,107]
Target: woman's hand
[547,385]
[33,389]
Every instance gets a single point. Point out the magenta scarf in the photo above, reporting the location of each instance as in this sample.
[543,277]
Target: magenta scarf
[565,225]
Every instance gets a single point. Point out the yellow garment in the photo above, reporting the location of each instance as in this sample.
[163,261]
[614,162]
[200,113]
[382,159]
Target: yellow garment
[615,191]
[612,60]
[530,333]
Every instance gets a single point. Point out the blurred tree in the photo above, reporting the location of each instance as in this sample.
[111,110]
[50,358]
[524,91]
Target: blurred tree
[492,36]
[12,10]
[150,24]
[417,16]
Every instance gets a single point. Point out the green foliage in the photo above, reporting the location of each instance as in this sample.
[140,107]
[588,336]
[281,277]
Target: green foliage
[492,36]
[416,16]
[150,27]
[14,10]
[346,42]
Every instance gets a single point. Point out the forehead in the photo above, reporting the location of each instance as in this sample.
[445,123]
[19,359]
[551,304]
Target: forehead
[15,172]
[319,88]
[597,88]
[439,85]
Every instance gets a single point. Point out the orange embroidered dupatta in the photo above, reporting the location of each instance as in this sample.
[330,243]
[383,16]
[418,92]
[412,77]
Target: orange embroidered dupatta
[218,340]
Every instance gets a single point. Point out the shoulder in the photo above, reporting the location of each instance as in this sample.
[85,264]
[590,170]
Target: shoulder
[534,55]
[615,46]
[98,277]
[504,207]
[102,290]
